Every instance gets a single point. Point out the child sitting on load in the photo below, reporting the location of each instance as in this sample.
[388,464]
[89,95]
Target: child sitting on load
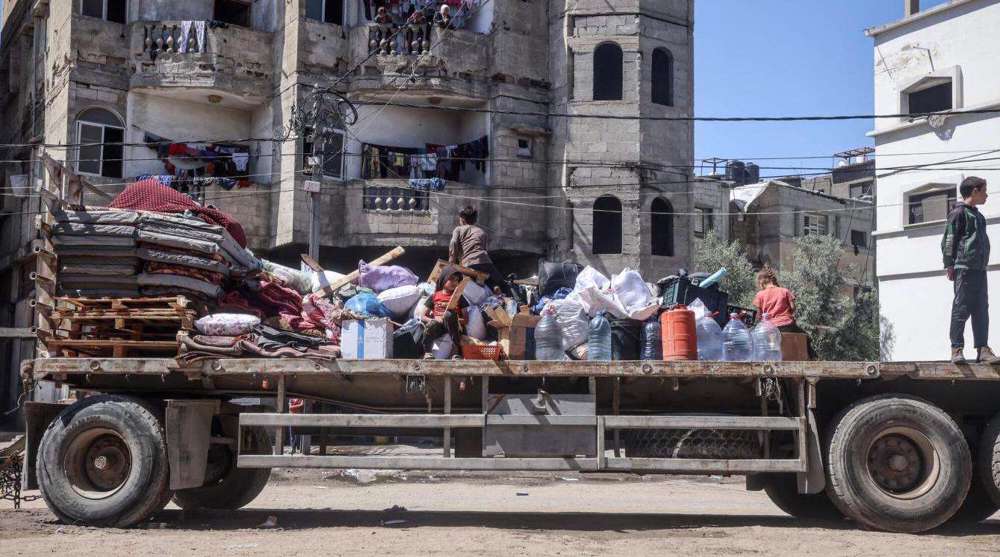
[439,319]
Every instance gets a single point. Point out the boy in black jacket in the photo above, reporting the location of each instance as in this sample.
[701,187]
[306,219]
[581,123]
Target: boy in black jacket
[966,250]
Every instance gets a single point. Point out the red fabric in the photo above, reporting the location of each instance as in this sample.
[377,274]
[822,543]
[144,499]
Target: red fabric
[151,195]
[776,302]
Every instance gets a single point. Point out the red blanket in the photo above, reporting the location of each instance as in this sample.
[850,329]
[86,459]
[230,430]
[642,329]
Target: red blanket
[151,195]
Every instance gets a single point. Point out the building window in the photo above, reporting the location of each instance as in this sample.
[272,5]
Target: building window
[859,239]
[110,10]
[608,72]
[930,206]
[861,190]
[333,154]
[815,223]
[607,230]
[327,11]
[662,227]
[524,148]
[234,12]
[703,221]
[930,99]
[663,77]
[101,135]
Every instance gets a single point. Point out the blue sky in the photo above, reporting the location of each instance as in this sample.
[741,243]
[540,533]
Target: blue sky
[783,58]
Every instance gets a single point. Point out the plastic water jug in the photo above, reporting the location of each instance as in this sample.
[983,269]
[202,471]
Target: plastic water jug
[548,339]
[679,339]
[652,344]
[737,346]
[709,339]
[766,341]
[599,339]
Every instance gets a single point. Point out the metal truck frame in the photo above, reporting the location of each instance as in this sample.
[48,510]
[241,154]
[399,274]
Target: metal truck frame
[897,446]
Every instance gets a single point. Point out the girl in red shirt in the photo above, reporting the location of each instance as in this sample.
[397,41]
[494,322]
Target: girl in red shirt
[779,305]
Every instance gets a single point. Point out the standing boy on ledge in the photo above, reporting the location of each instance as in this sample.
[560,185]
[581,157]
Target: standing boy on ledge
[966,250]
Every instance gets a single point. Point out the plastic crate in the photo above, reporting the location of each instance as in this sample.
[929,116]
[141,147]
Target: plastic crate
[747,315]
[679,290]
[482,352]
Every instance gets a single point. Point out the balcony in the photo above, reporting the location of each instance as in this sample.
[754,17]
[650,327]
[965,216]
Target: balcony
[201,54]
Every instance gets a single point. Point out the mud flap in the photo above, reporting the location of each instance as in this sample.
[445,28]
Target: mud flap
[37,417]
[189,431]
[814,479]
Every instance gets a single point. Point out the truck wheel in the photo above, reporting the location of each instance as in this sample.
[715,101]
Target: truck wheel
[977,506]
[988,460]
[783,491]
[103,462]
[228,487]
[897,463]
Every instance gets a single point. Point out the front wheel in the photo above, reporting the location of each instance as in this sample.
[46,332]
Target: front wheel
[103,462]
[898,463]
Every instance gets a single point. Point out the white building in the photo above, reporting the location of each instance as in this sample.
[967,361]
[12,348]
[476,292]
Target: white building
[941,59]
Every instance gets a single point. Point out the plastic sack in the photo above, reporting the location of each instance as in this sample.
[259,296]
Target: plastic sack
[630,291]
[553,276]
[293,278]
[226,324]
[475,293]
[590,276]
[383,278]
[443,347]
[595,301]
[401,299]
[420,309]
[426,288]
[699,309]
[644,313]
[476,326]
[574,324]
[319,281]
[367,303]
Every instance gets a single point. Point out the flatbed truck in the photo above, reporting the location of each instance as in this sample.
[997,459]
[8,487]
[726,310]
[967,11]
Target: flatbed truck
[901,446]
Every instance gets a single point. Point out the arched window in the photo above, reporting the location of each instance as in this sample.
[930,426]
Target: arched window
[608,72]
[101,135]
[662,227]
[607,225]
[663,77]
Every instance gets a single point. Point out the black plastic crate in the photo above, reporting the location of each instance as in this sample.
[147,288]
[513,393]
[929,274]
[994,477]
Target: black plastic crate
[679,290]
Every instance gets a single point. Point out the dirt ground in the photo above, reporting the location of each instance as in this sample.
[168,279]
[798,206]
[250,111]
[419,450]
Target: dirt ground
[358,513]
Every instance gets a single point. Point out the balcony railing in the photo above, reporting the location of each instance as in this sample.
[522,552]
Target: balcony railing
[387,198]
[411,38]
[171,38]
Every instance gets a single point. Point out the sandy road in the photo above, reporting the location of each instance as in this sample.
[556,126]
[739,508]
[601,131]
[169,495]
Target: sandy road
[319,513]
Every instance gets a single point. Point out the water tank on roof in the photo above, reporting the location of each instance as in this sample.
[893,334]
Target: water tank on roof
[753,173]
[736,172]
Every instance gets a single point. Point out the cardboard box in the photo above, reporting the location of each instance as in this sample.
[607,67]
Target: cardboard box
[369,339]
[513,331]
[794,347]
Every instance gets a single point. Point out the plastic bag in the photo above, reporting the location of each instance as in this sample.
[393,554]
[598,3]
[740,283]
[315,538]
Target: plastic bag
[475,293]
[367,304]
[420,309]
[443,347]
[630,291]
[590,276]
[226,324]
[476,326]
[401,299]
[573,322]
[293,278]
[595,301]
[699,309]
[383,278]
[319,281]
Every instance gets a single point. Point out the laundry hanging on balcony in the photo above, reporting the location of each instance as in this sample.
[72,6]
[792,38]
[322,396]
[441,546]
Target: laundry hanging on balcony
[447,162]
[225,165]
[427,184]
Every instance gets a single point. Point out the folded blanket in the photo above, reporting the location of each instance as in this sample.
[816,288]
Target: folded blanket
[81,228]
[111,252]
[177,281]
[182,231]
[99,270]
[76,280]
[93,241]
[174,257]
[180,220]
[178,242]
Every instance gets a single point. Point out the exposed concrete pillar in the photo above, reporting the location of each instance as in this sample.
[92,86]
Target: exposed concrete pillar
[910,7]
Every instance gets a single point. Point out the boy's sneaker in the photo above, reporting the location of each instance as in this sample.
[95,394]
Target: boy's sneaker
[957,356]
[428,356]
[986,356]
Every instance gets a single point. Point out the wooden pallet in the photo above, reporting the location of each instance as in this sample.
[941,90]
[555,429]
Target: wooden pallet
[73,348]
[119,327]
[157,303]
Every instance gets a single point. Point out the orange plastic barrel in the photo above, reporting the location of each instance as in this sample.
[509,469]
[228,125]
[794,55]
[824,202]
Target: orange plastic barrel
[679,338]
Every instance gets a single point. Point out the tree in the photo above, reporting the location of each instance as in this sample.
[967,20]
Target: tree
[741,282]
[841,326]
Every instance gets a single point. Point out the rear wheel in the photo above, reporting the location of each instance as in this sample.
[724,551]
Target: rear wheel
[228,487]
[988,460]
[898,463]
[103,462]
[783,491]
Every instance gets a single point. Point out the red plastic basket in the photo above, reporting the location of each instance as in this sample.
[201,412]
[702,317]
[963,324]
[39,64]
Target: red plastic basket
[482,352]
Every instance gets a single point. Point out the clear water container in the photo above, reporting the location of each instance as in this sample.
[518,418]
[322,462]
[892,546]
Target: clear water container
[766,341]
[737,345]
[548,339]
[709,339]
[599,339]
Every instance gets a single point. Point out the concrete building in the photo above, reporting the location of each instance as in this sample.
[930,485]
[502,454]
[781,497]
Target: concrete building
[548,104]
[938,60]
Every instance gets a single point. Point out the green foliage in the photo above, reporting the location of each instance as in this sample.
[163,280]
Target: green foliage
[842,327]
[741,282]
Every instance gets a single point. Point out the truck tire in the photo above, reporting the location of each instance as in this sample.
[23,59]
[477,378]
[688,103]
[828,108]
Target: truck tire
[897,463]
[988,460]
[103,462]
[228,487]
[783,491]
[977,506]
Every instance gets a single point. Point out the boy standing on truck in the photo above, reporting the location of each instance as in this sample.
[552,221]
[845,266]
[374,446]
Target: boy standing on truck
[966,250]
[468,249]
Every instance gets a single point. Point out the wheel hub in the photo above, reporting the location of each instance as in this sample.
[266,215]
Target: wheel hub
[902,463]
[98,463]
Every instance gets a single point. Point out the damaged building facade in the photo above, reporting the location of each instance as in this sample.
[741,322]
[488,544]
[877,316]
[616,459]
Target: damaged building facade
[552,117]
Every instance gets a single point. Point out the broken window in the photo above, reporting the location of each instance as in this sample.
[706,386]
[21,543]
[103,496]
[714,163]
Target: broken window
[662,227]
[111,10]
[815,223]
[327,11]
[931,99]
[703,221]
[524,148]
[101,136]
[663,77]
[332,156]
[608,72]
[859,239]
[607,230]
[234,12]
[930,206]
